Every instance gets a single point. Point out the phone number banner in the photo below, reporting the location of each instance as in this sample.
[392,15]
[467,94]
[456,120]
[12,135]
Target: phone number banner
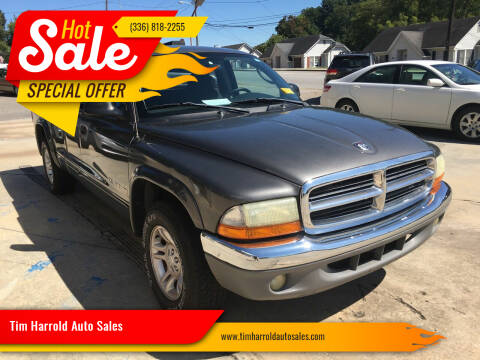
[195,331]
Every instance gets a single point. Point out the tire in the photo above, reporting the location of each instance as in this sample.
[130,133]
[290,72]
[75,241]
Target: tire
[59,181]
[347,105]
[466,123]
[175,263]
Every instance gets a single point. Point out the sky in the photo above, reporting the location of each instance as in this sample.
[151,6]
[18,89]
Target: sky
[265,13]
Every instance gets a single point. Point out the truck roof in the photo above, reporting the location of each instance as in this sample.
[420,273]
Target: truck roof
[186,49]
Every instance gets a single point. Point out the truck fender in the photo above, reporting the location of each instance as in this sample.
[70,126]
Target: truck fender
[168,183]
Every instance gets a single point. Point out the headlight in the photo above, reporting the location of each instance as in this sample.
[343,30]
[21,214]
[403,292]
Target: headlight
[260,220]
[439,173]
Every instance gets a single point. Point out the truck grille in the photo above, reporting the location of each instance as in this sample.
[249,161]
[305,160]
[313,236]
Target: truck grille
[364,195]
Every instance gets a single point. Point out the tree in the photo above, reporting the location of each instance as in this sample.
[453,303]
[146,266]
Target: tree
[6,36]
[269,43]
[357,22]
[10,28]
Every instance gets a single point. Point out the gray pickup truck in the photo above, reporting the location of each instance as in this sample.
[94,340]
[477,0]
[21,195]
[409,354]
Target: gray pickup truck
[232,182]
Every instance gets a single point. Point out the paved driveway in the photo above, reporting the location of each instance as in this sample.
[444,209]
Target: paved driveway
[310,83]
[74,252]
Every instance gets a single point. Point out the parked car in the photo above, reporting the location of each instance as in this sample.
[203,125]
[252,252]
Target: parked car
[233,182]
[345,64]
[5,86]
[476,65]
[436,94]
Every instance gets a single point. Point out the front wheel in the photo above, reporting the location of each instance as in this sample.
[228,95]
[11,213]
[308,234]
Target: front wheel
[347,105]
[466,123]
[175,262]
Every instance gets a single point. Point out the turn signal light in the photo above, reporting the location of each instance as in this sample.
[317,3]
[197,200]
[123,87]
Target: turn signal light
[332,72]
[437,183]
[439,173]
[261,232]
[326,88]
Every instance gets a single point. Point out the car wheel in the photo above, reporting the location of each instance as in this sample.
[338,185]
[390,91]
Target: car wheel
[175,263]
[347,105]
[59,181]
[466,123]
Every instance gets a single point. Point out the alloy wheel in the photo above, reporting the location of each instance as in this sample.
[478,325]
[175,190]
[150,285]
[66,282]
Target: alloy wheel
[470,125]
[347,107]
[166,263]
[47,163]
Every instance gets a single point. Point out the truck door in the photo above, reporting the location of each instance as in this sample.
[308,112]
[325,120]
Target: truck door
[105,132]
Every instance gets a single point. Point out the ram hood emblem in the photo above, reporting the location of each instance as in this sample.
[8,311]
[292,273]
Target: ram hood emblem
[362,147]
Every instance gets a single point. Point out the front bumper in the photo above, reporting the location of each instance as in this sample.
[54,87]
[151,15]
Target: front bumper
[317,263]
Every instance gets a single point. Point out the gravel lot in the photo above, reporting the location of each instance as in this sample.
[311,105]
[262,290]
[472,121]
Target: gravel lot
[73,252]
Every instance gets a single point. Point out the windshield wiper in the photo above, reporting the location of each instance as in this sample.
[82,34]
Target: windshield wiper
[268,100]
[226,108]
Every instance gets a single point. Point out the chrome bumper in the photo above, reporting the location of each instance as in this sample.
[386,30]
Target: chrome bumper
[248,271]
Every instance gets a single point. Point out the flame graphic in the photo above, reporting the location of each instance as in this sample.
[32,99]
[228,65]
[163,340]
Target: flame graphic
[422,338]
[155,74]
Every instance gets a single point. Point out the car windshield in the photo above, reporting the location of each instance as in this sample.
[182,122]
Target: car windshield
[459,74]
[237,81]
[349,62]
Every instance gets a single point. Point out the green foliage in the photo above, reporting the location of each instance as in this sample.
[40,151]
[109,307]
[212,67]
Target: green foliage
[356,22]
[6,36]
[270,42]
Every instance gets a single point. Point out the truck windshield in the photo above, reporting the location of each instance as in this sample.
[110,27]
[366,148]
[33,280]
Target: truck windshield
[459,74]
[237,80]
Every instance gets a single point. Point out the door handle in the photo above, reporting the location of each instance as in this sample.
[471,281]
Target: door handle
[356,86]
[401,89]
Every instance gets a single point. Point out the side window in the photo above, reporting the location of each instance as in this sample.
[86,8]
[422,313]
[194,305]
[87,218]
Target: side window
[415,75]
[253,79]
[117,111]
[379,75]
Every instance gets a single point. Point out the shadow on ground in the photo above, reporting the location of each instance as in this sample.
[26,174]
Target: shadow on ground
[445,136]
[313,101]
[114,228]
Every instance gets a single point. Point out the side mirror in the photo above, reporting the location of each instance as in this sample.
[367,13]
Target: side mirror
[435,82]
[295,89]
[109,110]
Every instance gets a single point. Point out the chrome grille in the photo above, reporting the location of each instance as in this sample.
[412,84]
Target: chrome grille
[366,194]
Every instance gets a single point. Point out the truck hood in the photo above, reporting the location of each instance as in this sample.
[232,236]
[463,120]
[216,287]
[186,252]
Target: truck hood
[296,145]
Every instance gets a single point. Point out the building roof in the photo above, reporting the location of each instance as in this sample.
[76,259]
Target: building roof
[268,52]
[302,44]
[236,46]
[434,34]
[239,46]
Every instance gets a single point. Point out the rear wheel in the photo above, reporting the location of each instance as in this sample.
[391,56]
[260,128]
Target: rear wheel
[466,123]
[347,105]
[59,181]
[176,266]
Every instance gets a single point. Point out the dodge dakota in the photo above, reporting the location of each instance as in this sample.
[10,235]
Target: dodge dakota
[232,182]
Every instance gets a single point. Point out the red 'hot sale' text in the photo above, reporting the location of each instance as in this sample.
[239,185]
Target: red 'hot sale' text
[114,53]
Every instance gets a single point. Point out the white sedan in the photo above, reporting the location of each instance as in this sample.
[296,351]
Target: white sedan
[435,94]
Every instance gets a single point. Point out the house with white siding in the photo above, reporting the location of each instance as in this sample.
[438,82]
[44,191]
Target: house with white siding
[427,41]
[245,48]
[304,52]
